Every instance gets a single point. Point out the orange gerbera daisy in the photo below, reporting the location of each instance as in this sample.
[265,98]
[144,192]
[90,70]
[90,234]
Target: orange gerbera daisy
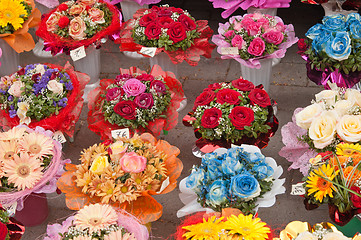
[8,149]
[37,145]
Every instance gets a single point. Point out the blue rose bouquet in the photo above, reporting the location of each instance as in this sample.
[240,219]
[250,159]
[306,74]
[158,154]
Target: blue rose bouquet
[240,177]
[333,50]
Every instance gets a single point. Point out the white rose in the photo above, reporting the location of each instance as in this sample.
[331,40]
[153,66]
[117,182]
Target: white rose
[327,96]
[335,236]
[349,128]
[342,106]
[40,69]
[305,117]
[55,86]
[15,88]
[306,236]
[322,129]
[23,108]
[354,96]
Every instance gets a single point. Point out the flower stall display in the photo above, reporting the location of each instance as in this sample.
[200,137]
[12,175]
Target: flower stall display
[17,16]
[98,221]
[136,100]
[124,174]
[255,39]
[235,112]
[9,227]
[231,224]
[43,95]
[239,177]
[331,50]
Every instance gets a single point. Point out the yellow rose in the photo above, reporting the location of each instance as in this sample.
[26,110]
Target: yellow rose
[354,96]
[306,116]
[342,106]
[349,128]
[99,164]
[323,128]
[327,96]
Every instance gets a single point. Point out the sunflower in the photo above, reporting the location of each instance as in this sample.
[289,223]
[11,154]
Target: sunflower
[13,12]
[346,149]
[246,227]
[7,149]
[209,229]
[321,187]
[37,145]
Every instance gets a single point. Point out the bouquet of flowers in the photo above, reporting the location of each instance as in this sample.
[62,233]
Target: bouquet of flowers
[78,23]
[257,36]
[42,95]
[98,221]
[240,177]
[140,2]
[231,224]
[17,16]
[236,112]
[167,29]
[136,100]
[331,50]
[124,174]
[10,229]
[30,162]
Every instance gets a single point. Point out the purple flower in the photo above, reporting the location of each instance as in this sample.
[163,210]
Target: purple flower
[63,102]
[10,98]
[29,67]
[158,86]
[12,113]
[144,100]
[68,86]
[134,87]
[113,93]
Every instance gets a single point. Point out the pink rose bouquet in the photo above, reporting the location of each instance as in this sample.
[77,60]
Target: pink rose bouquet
[257,36]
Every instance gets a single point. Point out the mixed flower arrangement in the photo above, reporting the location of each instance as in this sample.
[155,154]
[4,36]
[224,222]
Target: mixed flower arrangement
[9,227]
[124,174]
[78,23]
[257,36]
[331,50]
[42,95]
[240,177]
[136,100]
[98,221]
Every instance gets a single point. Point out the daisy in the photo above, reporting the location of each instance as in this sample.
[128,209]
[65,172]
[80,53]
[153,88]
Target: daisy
[37,145]
[95,217]
[118,235]
[108,191]
[128,194]
[346,149]
[7,149]
[13,134]
[208,229]
[12,12]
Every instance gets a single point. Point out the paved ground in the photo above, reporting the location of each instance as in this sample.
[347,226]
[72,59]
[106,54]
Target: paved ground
[290,88]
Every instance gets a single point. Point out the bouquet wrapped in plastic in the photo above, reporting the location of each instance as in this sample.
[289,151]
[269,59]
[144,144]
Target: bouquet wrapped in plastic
[136,100]
[124,174]
[98,221]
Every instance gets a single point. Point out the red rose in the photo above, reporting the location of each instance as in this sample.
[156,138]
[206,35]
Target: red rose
[165,13]
[155,9]
[63,7]
[302,46]
[126,109]
[241,117]
[260,97]
[63,22]
[3,231]
[187,22]
[153,30]
[204,99]
[165,22]
[356,200]
[145,77]
[213,86]
[177,10]
[242,84]
[228,96]
[210,118]
[177,32]
[147,19]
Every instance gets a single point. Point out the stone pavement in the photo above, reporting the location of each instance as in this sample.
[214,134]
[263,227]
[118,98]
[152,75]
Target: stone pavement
[290,88]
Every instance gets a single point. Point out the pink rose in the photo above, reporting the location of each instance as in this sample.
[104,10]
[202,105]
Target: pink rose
[273,36]
[246,21]
[96,15]
[132,162]
[16,88]
[134,87]
[254,28]
[280,27]
[76,9]
[52,21]
[238,41]
[257,47]
[238,26]
[76,28]
[229,34]
[88,2]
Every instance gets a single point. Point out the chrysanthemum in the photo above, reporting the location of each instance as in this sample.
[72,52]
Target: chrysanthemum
[7,149]
[208,229]
[320,186]
[24,171]
[346,149]
[247,227]
[37,145]
[95,217]
[109,191]
[118,235]
[128,194]
[11,11]
[13,134]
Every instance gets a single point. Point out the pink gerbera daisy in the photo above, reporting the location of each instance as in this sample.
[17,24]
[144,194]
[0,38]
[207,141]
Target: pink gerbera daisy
[37,145]
[7,150]
[118,235]
[13,134]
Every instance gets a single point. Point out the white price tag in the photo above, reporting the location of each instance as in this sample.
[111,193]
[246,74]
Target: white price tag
[298,189]
[59,136]
[165,184]
[121,133]
[10,208]
[229,51]
[149,51]
[78,53]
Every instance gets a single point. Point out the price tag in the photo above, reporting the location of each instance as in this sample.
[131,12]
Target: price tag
[120,133]
[78,53]
[10,208]
[59,136]
[165,184]
[298,189]
[229,51]
[149,51]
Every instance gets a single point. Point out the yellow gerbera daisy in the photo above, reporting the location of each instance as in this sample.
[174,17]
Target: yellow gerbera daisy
[247,227]
[346,149]
[320,186]
[209,229]
[13,12]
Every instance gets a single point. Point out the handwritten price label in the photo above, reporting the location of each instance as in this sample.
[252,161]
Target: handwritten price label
[229,51]
[120,133]
[10,208]
[149,51]
[298,189]
[78,53]
[59,136]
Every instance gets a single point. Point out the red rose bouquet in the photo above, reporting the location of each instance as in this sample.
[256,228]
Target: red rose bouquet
[10,228]
[78,23]
[136,100]
[236,112]
[167,29]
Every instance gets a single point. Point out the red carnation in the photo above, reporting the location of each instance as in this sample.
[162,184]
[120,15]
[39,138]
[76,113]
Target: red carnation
[210,118]
[177,32]
[242,84]
[147,19]
[204,99]
[63,22]
[260,97]
[3,230]
[126,109]
[153,31]
[228,96]
[165,22]
[187,22]
[356,200]
[63,7]
[241,117]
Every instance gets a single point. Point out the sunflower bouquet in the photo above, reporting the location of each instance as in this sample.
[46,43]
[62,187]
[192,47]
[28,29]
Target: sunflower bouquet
[9,227]
[124,174]
[98,221]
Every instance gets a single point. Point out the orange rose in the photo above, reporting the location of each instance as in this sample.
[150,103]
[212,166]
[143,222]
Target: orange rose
[76,9]
[76,28]
[88,2]
[96,15]
[53,21]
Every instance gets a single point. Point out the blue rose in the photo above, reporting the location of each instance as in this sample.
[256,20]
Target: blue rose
[234,152]
[320,42]
[245,186]
[208,158]
[214,170]
[355,30]
[339,48]
[353,18]
[315,31]
[263,170]
[231,166]
[217,193]
[334,22]
[194,180]
[256,157]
